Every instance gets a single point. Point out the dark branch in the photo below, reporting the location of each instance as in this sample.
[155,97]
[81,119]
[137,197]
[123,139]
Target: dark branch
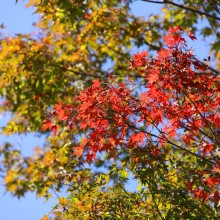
[153,47]
[210,68]
[154,199]
[184,7]
[172,143]
[151,1]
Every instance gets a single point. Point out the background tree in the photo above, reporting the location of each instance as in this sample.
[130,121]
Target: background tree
[75,43]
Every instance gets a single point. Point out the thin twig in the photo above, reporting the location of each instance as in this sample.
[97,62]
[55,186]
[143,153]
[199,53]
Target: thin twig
[202,117]
[170,142]
[154,200]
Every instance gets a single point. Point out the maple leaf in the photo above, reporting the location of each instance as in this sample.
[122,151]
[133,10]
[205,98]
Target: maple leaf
[155,152]
[60,112]
[139,59]
[157,116]
[86,16]
[36,98]
[45,217]
[173,40]
[175,29]
[138,137]
[170,130]
[55,129]
[78,151]
[169,40]
[189,186]
[187,138]
[163,53]
[47,124]
[212,181]
[153,76]
[58,106]
[198,193]
[216,169]
[191,35]
[96,83]
[206,148]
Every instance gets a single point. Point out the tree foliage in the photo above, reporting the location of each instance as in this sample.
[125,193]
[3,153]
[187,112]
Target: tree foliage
[154,119]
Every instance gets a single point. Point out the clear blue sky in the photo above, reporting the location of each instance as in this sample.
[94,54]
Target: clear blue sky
[18,19]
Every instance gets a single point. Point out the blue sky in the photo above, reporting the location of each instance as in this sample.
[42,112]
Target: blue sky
[18,19]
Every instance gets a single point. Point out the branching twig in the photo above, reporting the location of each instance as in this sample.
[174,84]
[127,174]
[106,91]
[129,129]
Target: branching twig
[164,138]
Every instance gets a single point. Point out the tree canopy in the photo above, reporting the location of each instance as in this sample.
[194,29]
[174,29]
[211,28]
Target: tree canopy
[111,118]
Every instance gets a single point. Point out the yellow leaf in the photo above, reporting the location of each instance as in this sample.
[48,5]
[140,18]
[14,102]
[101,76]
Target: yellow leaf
[45,217]
[31,3]
[10,176]
[63,201]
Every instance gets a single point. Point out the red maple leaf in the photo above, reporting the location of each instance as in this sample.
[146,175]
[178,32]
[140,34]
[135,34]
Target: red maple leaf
[139,59]
[153,76]
[78,151]
[137,138]
[163,53]
[198,193]
[189,186]
[206,148]
[191,35]
[55,129]
[47,124]
[212,181]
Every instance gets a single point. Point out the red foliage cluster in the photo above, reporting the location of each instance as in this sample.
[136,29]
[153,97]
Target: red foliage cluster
[180,104]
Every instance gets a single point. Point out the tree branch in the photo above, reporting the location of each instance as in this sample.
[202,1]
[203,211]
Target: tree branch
[184,7]
[104,74]
[153,47]
[203,117]
[170,142]
[154,200]
[210,68]
[151,1]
